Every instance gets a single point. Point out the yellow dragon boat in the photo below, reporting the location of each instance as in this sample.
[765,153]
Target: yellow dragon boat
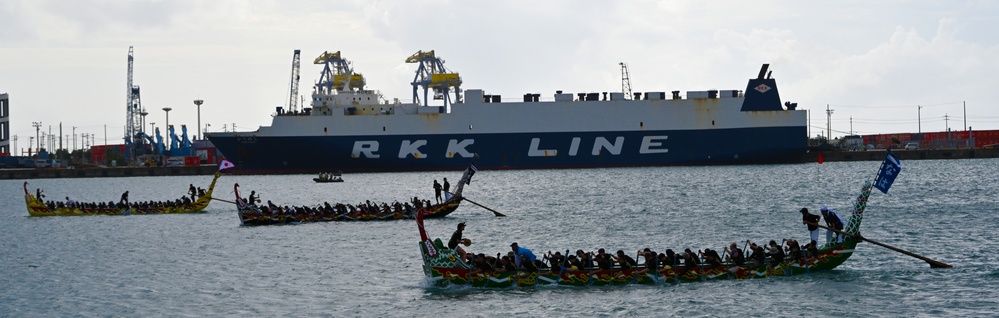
[37,207]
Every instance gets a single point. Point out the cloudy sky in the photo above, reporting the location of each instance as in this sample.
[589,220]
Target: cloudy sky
[877,62]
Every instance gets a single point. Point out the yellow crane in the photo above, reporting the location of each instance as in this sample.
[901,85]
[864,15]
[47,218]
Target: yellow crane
[431,74]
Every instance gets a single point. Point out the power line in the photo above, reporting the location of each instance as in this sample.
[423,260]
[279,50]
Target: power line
[898,106]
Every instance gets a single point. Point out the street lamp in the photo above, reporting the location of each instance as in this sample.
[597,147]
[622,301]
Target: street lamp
[169,136]
[168,109]
[198,102]
[919,118]
[152,128]
[142,124]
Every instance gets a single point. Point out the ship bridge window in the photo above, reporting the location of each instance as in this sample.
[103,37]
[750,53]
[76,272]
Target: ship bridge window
[641,124]
[383,128]
[324,129]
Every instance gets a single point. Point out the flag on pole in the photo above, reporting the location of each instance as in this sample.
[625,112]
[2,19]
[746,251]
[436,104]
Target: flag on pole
[886,176]
[821,158]
[225,165]
[471,171]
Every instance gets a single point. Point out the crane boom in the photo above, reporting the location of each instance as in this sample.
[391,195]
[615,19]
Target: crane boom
[293,94]
[431,74]
[625,81]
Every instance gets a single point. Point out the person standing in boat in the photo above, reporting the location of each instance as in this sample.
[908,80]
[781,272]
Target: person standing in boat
[813,223]
[193,191]
[437,191]
[833,221]
[447,190]
[124,198]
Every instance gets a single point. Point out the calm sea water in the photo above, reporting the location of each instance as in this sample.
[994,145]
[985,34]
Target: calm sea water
[207,265]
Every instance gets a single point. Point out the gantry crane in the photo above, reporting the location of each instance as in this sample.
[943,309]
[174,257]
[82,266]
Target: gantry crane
[337,74]
[133,113]
[293,99]
[431,74]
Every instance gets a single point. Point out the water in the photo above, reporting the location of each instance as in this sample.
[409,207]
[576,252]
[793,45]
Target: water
[206,264]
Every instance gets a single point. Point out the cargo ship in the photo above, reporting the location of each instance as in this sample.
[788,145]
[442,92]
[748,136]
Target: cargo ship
[351,128]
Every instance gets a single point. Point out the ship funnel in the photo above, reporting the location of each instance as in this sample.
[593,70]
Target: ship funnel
[763,71]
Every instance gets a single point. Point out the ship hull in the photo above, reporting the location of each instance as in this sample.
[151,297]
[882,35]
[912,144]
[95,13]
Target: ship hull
[306,154]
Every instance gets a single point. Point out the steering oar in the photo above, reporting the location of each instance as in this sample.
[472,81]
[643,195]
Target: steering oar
[484,207]
[860,238]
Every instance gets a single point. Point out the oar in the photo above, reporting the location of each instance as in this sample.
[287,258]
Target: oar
[227,201]
[933,263]
[484,207]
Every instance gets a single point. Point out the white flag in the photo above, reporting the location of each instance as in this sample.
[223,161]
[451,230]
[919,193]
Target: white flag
[225,165]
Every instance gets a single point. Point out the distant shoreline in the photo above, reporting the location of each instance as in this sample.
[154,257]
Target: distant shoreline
[831,156]
[921,154]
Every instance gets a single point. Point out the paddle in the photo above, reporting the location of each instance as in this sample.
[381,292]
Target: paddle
[933,263]
[227,201]
[484,207]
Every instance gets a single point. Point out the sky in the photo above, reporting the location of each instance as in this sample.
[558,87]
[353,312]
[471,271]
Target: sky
[881,67]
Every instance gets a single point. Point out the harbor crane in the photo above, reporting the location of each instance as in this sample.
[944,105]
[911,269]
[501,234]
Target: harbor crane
[431,74]
[133,113]
[293,99]
[337,75]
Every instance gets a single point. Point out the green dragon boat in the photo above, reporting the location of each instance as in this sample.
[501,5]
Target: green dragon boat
[443,266]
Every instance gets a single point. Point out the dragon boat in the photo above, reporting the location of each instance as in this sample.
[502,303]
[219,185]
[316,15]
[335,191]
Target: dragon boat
[37,207]
[251,214]
[444,267]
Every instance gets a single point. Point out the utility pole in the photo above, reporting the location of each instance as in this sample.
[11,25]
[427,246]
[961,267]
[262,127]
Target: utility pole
[38,126]
[851,125]
[965,103]
[829,113]
[60,135]
[74,138]
[946,122]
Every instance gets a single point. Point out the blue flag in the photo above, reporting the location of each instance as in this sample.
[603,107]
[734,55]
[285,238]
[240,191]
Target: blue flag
[886,176]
